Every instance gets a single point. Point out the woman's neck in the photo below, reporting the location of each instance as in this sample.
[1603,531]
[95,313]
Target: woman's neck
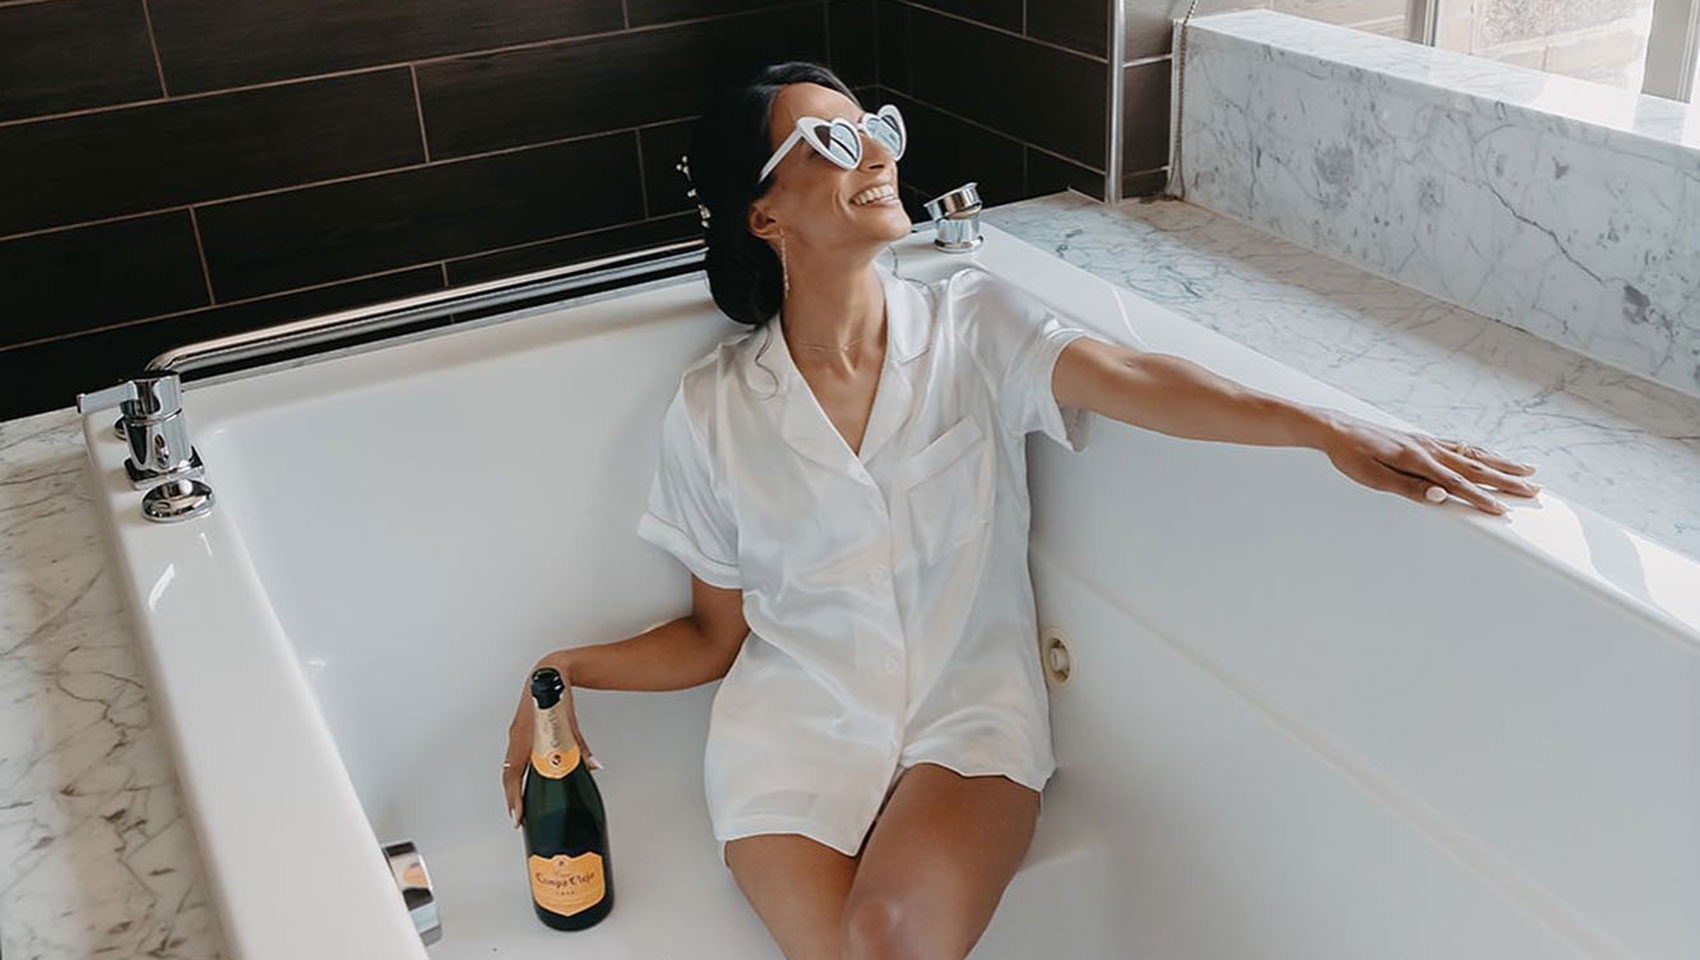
[830,307]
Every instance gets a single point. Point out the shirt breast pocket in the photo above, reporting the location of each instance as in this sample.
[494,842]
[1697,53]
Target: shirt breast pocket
[949,484]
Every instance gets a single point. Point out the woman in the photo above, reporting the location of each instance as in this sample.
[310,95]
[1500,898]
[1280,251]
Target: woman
[846,485]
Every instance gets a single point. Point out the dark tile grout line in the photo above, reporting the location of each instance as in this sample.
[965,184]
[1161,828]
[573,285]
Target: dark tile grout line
[153,44]
[196,95]
[1014,139]
[385,171]
[201,252]
[419,109]
[680,215]
[643,186]
[1006,31]
[175,314]
[390,65]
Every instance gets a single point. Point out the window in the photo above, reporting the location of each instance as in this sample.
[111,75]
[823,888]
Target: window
[1641,45]
[1600,40]
[1390,17]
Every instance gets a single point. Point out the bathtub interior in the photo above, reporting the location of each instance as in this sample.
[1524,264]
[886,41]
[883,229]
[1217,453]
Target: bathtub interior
[1305,718]
[460,526]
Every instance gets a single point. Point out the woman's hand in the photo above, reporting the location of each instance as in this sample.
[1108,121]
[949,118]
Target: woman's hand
[1421,467]
[520,733]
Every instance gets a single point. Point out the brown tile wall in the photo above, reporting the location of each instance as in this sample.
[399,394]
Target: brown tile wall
[1012,95]
[177,169]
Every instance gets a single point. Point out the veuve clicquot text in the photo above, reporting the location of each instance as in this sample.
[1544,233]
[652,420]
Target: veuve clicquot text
[566,829]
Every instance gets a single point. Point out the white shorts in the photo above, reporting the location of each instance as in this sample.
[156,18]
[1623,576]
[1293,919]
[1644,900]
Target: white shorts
[813,829]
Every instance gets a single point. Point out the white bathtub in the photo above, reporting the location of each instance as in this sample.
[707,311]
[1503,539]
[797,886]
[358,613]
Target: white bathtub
[1305,719]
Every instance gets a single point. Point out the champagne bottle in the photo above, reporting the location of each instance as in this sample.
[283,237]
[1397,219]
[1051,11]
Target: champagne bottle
[566,829]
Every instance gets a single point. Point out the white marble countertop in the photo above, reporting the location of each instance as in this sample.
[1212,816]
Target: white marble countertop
[99,858]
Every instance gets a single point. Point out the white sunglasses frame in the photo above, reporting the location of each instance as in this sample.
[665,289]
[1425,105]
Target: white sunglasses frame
[806,128]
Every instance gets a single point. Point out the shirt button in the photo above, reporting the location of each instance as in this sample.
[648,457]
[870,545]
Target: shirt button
[877,575]
[892,664]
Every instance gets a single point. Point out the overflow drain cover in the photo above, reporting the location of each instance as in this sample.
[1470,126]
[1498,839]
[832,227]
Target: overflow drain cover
[1056,656]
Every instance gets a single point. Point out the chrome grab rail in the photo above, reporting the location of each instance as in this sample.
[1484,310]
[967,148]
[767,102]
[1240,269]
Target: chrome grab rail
[164,463]
[312,331]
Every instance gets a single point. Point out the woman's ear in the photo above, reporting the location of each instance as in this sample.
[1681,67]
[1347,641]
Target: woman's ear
[762,223]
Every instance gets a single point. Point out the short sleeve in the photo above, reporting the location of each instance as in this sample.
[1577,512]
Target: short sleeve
[1018,338]
[687,515]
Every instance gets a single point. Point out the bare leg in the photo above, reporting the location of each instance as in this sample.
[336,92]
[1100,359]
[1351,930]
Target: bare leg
[797,886]
[935,865]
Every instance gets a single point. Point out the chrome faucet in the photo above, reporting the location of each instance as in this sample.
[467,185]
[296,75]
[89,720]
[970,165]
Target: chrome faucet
[956,216]
[161,461]
[407,866]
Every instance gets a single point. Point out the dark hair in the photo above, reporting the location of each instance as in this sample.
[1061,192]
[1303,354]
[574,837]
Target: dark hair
[729,143]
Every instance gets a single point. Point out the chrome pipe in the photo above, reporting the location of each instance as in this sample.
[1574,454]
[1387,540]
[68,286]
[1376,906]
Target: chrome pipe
[343,324]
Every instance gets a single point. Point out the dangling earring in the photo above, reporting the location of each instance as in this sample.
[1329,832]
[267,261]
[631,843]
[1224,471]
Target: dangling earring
[784,272]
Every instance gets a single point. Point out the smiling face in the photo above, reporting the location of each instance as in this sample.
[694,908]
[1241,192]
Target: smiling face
[812,198]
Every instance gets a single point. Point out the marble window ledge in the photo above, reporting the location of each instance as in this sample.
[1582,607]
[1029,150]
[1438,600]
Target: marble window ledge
[1567,209]
[1632,122]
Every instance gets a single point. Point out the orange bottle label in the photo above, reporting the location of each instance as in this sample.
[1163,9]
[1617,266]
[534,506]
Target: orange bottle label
[555,764]
[554,752]
[566,884]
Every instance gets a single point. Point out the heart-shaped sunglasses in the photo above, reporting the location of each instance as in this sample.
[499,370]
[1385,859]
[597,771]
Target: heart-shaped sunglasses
[838,139]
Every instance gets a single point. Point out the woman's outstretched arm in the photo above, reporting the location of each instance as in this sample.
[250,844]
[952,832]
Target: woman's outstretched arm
[1173,395]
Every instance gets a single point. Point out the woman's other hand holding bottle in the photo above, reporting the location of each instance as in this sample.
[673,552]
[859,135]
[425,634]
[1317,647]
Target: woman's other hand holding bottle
[520,732]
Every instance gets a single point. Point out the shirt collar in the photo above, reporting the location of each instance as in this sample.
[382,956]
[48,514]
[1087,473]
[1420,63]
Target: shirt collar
[765,360]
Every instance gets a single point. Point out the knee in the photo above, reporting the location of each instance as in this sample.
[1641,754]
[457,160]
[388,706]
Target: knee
[883,927]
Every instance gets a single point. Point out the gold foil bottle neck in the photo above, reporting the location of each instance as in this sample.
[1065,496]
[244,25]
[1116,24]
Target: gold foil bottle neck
[554,752]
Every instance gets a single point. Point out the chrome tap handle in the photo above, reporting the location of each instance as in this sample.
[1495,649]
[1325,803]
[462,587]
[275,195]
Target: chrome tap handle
[153,425]
[106,399]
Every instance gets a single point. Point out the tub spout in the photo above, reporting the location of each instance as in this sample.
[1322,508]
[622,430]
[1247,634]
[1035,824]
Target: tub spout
[956,216]
[408,868]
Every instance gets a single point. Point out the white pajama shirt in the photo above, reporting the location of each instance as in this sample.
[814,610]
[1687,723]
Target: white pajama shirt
[887,591]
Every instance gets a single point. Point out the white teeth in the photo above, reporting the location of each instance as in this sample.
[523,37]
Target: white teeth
[872,194]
